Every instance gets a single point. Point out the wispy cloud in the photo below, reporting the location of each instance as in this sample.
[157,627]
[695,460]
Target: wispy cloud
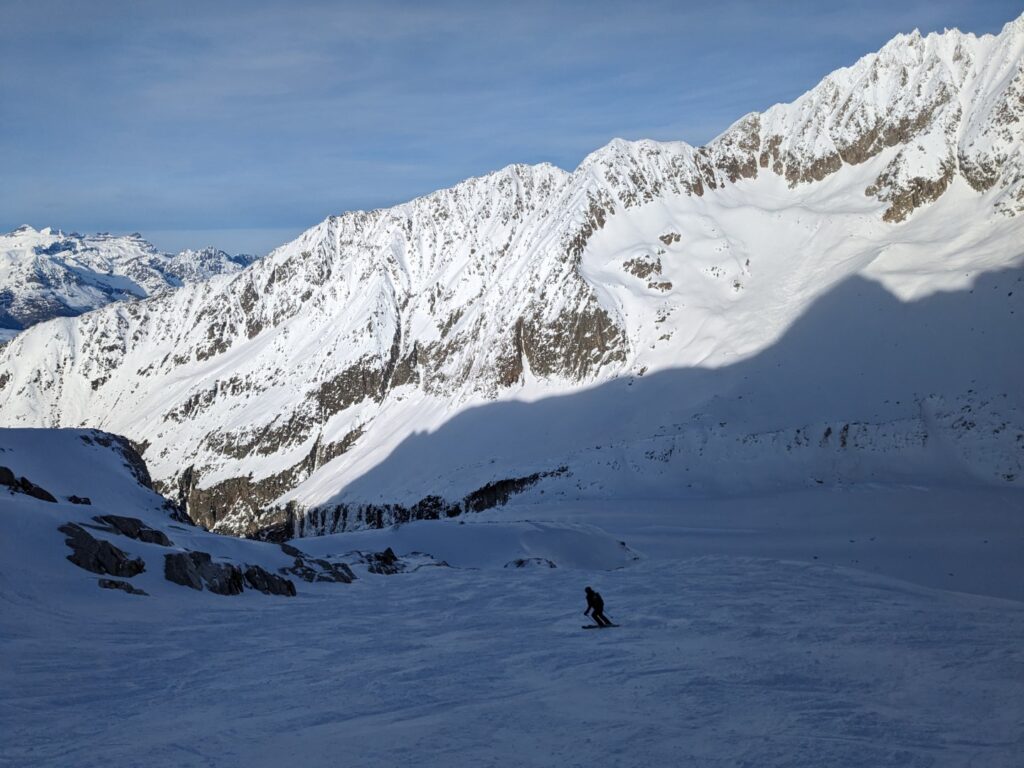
[197,115]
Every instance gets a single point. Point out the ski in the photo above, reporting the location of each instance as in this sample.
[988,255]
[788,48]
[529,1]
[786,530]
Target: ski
[598,626]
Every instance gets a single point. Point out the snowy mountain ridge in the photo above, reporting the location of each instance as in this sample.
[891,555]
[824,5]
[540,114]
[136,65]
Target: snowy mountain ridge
[47,273]
[952,101]
[368,362]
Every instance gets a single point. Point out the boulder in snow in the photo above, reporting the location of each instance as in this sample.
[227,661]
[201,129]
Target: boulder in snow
[530,562]
[124,586]
[97,555]
[133,528]
[24,485]
[316,569]
[268,583]
[196,569]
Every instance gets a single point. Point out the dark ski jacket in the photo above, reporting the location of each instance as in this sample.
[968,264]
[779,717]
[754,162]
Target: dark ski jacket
[594,602]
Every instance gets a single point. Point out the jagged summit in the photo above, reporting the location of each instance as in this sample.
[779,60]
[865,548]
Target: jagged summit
[940,106]
[1014,26]
[279,389]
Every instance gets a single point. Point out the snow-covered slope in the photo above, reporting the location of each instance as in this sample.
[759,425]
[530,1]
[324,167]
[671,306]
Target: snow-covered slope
[740,641]
[67,495]
[826,293]
[62,486]
[46,273]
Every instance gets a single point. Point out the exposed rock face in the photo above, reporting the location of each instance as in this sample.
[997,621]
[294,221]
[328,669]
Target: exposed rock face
[643,267]
[25,486]
[132,460]
[196,570]
[384,563]
[498,493]
[530,562]
[470,293]
[576,342]
[316,569]
[252,499]
[133,528]
[124,586]
[268,583]
[31,489]
[906,195]
[97,555]
[387,563]
[345,517]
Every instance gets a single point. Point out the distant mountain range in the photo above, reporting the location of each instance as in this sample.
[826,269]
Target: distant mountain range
[46,273]
[827,293]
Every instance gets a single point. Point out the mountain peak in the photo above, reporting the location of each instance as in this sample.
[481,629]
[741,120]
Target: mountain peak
[47,273]
[1014,27]
[290,381]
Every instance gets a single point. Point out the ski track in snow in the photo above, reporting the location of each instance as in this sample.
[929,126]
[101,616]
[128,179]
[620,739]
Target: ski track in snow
[720,661]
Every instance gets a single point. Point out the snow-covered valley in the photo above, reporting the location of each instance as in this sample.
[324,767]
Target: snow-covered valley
[766,631]
[764,395]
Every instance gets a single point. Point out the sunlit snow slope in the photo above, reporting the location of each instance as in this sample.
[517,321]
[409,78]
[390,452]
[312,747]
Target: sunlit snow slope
[828,293]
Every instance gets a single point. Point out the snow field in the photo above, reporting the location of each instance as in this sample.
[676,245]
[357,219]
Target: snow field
[721,661]
[735,647]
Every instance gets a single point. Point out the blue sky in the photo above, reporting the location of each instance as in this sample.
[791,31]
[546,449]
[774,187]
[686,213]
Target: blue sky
[239,124]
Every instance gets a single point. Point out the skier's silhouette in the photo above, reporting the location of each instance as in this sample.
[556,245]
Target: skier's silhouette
[595,609]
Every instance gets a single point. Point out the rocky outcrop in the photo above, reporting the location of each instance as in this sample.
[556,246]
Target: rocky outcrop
[530,562]
[268,583]
[345,517]
[133,528]
[905,195]
[316,569]
[498,493]
[387,563]
[25,486]
[643,267]
[580,340]
[97,555]
[197,570]
[124,586]
[132,459]
[247,501]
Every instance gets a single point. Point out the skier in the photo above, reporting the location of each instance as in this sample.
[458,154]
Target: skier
[596,604]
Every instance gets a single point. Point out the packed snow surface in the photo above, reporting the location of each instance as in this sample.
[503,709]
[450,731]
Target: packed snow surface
[767,631]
